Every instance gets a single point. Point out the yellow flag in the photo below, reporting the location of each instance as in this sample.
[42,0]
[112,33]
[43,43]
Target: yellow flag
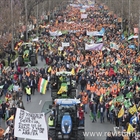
[73,71]
[139,109]
[133,110]
[101,98]
[121,112]
[11,118]
[50,68]
[130,128]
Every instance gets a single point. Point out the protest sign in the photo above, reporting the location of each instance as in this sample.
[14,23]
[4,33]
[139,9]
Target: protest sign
[30,125]
[82,10]
[114,45]
[65,44]
[93,46]
[84,16]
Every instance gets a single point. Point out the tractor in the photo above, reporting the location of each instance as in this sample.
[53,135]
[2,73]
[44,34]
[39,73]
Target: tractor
[66,124]
[62,85]
[27,54]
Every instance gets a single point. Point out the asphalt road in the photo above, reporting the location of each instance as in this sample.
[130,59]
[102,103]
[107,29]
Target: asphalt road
[38,100]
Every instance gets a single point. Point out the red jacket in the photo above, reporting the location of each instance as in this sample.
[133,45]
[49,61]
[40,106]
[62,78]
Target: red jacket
[81,114]
[111,72]
[15,77]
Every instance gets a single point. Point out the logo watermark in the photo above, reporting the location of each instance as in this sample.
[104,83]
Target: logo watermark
[114,133]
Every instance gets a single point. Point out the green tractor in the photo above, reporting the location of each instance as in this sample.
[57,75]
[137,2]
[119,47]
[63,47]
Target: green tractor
[27,54]
[62,86]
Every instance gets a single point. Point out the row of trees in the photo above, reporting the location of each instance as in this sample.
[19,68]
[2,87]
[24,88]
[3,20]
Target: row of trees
[127,9]
[13,12]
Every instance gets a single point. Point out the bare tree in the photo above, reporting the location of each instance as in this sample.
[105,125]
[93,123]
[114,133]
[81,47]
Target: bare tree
[117,5]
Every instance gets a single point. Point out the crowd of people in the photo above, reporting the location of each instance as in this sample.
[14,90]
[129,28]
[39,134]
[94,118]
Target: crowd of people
[108,75]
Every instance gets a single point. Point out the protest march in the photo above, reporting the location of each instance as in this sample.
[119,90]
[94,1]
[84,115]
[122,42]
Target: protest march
[87,40]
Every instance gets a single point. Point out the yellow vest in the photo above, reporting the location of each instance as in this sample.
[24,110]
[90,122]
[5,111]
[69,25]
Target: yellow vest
[28,91]
[50,122]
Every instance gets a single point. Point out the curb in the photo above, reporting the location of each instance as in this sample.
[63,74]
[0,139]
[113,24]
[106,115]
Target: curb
[8,68]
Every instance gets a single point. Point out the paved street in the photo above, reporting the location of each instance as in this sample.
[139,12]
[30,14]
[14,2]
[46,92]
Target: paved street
[37,103]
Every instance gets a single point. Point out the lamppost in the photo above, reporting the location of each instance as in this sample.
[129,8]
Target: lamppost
[12,41]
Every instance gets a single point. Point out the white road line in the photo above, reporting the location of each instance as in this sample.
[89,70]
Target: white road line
[40,102]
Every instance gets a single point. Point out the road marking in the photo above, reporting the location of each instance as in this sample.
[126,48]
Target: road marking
[40,102]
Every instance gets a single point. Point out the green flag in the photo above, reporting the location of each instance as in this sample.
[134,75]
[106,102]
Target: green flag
[10,88]
[64,32]
[122,83]
[120,98]
[29,66]
[107,93]
[112,107]
[91,115]
[0,101]
[98,114]
[129,95]
[100,40]
[82,70]
[114,100]
[127,104]
[130,37]
[115,69]
[1,86]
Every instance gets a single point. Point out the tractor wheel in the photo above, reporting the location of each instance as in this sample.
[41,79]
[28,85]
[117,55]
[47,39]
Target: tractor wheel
[51,135]
[20,61]
[73,94]
[80,135]
[54,95]
[33,61]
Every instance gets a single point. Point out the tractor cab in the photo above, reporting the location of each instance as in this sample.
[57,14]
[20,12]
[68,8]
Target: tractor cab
[65,120]
[27,54]
[63,85]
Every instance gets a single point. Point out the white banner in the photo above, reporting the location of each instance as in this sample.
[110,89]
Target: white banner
[35,39]
[94,33]
[56,33]
[65,44]
[75,5]
[30,125]
[82,10]
[94,46]
[84,15]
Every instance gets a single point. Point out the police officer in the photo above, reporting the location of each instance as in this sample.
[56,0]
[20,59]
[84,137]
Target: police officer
[28,93]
